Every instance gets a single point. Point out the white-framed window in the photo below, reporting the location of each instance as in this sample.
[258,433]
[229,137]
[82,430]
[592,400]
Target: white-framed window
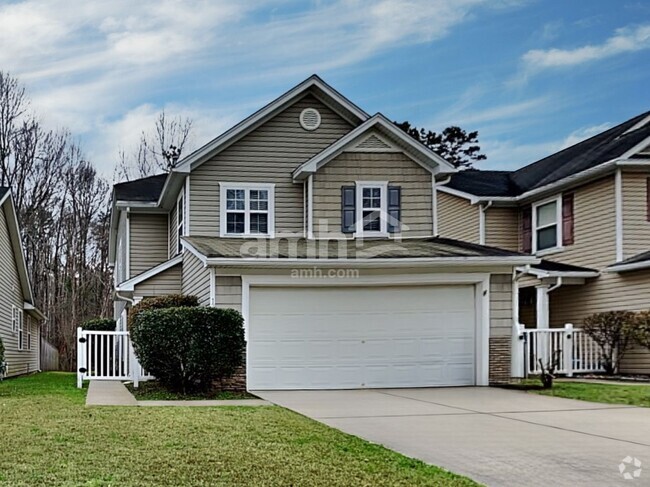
[372,208]
[21,330]
[547,224]
[247,210]
[180,220]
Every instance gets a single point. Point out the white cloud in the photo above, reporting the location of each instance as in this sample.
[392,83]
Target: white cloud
[627,39]
[584,133]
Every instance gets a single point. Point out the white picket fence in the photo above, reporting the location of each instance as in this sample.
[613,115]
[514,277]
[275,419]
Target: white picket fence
[107,355]
[577,352]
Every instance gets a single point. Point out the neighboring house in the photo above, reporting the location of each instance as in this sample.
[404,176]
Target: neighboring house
[19,319]
[585,208]
[318,221]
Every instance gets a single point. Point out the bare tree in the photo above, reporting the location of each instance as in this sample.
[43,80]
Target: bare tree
[157,151]
[62,206]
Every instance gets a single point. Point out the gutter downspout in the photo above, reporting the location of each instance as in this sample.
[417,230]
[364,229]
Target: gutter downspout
[481,221]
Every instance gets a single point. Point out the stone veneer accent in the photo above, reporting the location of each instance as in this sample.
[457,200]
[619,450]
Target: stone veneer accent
[236,382]
[500,360]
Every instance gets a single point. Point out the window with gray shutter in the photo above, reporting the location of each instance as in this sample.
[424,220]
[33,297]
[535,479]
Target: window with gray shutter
[348,209]
[394,210]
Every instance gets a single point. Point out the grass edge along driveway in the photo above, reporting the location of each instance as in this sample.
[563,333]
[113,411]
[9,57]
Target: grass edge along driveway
[629,394]
[50,438]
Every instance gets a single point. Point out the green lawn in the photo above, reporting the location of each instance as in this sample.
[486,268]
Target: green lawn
[50,438]
[153,391]
[633,394]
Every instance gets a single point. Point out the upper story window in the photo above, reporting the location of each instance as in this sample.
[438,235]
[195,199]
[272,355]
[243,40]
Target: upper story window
[547,228]
[180,220]
[247,210]
[372,208]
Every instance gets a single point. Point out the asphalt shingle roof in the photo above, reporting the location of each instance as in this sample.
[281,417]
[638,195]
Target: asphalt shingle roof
[549,265]
[642,257]
[3,191]
[584,155]
[145,189]
[300,248]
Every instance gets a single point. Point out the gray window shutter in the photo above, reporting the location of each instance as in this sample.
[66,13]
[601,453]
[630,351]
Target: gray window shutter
[348,209]
[394,211]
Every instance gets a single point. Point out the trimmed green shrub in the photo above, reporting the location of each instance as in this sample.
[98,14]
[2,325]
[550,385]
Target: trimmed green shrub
[3,367]
[189,348]
[99,324]
[161,302]
[613,332]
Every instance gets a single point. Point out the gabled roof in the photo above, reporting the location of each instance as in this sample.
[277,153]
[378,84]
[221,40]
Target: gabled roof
[314,85]
[7,205]
[425,156]
[146,190]
[602,148]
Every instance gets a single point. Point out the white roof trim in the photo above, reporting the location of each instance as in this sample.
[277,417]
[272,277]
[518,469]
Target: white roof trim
[377,120]
[397,262]
[542,273]
[634,266]
[129,285]
[638,125]
[461,194]
[197,157]
[7,203]
[637,148]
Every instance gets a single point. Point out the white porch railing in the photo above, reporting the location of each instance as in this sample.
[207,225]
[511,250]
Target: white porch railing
[107,355]
[576,351]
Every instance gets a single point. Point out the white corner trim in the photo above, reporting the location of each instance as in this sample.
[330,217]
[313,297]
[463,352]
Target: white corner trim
[186,219]
[434,205]
[247,187]
[195,252]
[127,221]
[213,287]
[618,195]
[310,207]
[482,301]
[482,208]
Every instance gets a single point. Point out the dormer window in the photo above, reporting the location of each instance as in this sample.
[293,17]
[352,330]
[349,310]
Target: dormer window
[372,207]
[247,210]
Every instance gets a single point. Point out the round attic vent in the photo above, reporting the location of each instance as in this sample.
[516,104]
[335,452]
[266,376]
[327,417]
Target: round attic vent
[310,119]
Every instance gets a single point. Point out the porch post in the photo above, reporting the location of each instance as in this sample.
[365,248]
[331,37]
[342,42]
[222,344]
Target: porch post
[80,358]
[543,322]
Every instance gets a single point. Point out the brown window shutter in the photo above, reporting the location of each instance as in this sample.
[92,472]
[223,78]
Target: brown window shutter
[567,219]
[647,199]
[527,230]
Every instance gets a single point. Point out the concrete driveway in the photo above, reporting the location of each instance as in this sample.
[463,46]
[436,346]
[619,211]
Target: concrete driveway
[495,436]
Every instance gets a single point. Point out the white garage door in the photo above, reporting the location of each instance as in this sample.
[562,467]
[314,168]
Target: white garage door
[357,337]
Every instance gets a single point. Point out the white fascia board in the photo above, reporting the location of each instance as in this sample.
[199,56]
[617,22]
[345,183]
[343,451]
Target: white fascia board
[377,120]
[544,274]
[640,146]
[461,194]
[230,136]
[635,266]
[129,285]
[187,245]
[372,263]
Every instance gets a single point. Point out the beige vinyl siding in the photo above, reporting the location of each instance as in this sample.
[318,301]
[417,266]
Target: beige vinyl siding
[457,218]
[502,228]
[636,227]
[148,241]
[594,227]
[173,233]
[609,292]
[501,305]
[228,292]
[267,155]
[166,282]
[19,361]
[195,278]
[396,168]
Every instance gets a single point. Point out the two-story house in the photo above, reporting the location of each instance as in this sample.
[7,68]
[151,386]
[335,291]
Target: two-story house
[319,223]
[584,210]
[19,318]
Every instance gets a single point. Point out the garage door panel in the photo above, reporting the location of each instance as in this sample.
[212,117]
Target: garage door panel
[327,338]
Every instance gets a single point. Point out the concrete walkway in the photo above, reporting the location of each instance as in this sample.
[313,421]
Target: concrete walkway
[109,393]
[495,436]
[114,393]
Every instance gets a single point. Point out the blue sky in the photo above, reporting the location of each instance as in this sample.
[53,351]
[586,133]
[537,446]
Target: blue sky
[532,76]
